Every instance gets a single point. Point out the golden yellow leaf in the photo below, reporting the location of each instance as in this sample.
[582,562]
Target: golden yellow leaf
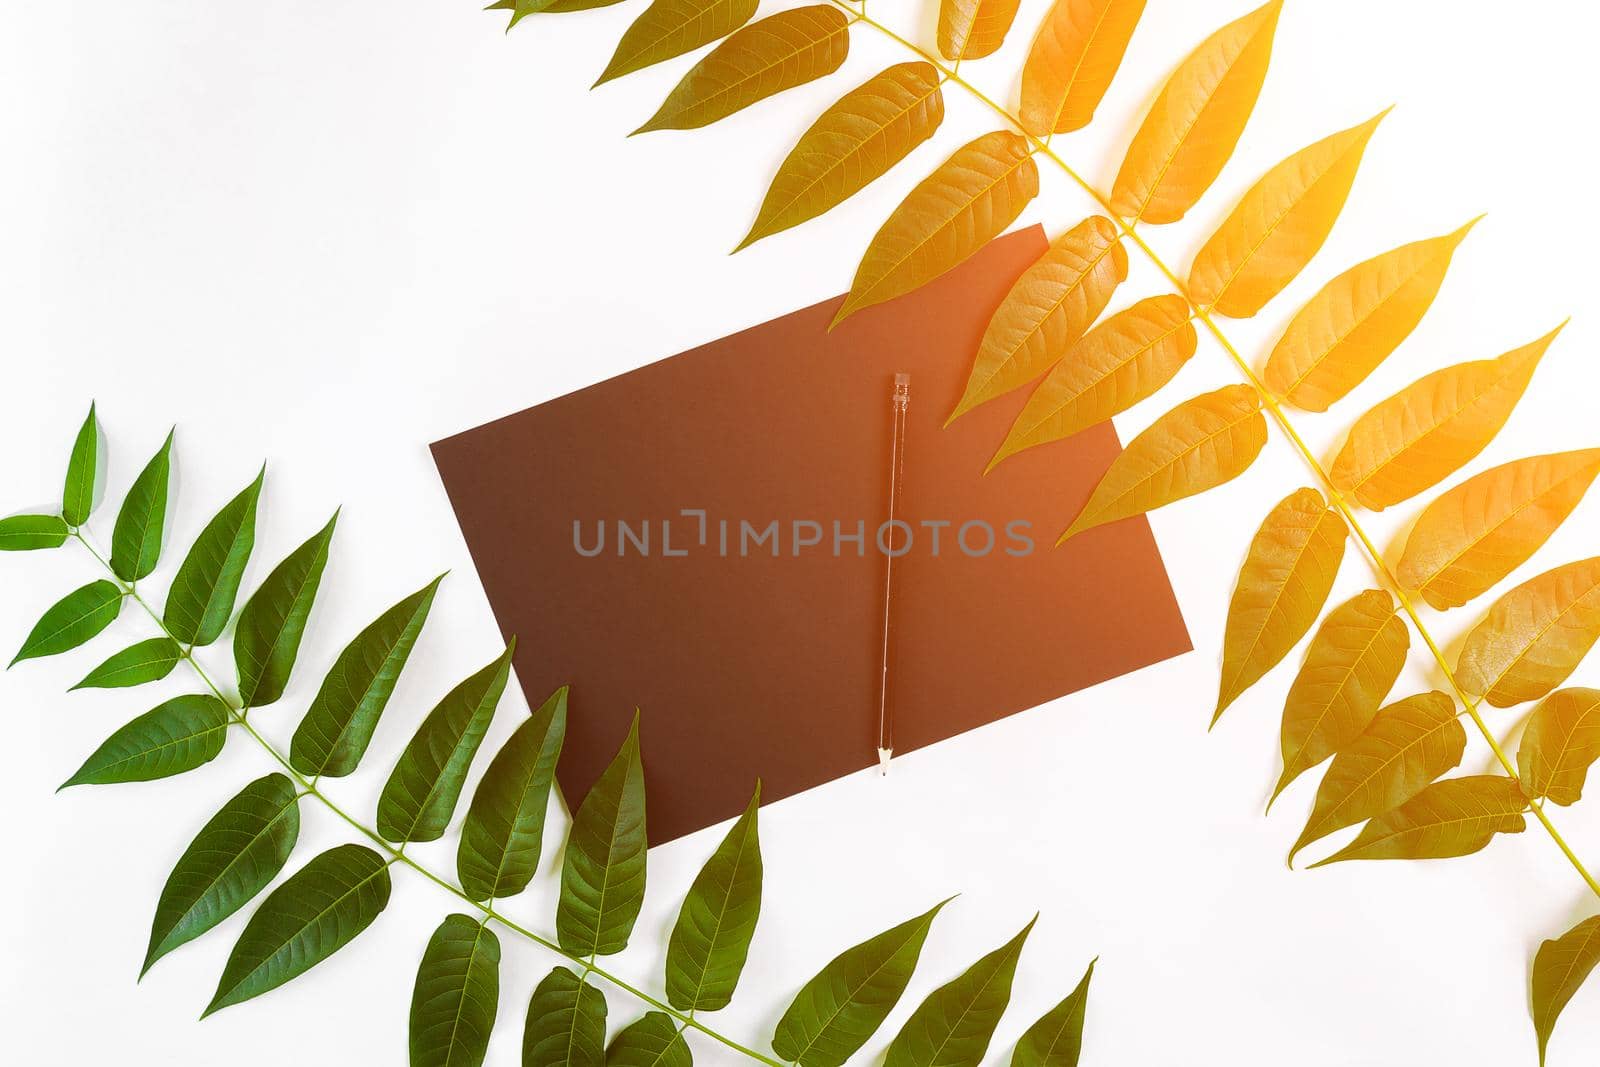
[1279,225]
[669,28]
[1483,529]
[1432,427]
[1356,321]
[854,142]
[1282,587]
[959,208]
[1534,636]
[1561,740]
[760,60]
[1350,667]
[1195,123]
[1406,746]
[1122,361]
[1455,817]
[972,29]
[1559,970]
[1198,445]
[1076,54]
[1046,311]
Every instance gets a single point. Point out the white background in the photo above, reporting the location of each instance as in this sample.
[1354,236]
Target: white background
[325,234]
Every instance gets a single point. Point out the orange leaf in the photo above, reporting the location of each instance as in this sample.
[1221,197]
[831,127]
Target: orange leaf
[1455,817]
[1279,225]
[1432,427]
[1483,529]
[1534,636]
[854,142]
[972,29]
[1282,588]
[1353,662]
[1560,742]
[959,208]
[1560,968]
[1122,361]
[1356,321]
[1198,445]
[1076,54]
[1195,123]
[759,60]
[1047,310]
[669,28]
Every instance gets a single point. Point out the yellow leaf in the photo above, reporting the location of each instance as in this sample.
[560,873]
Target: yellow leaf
[1406,746]
[1195,123]
[1561,740]
[1282,587]
[972,29]
[1198,445]
[1351,665]
[1356,321]
[1432,427]
[959,208]
[1483,529]
[759,60]
[1122,361]
[669,28]
[1046,311]
[1534,636]
[854,142]
[1559,970]
[1076,54]
[1455,817]
[1279,225]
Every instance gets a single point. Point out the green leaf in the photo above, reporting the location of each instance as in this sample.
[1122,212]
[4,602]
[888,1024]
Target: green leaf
[669,28]
[1559,969]
[77,498]
[72,620]
[202,596]
[422,791]
[335,733]
[953,1027]
[316,912]
[136,538]
[504,830]
[1455,817]
[712,937]
[1057,1038]
[840,1009]
[602,880]
[147,661]
[231,859]
[25,533]
[651,1041]
[274,619]
[180,735]
[457,993]
[566,1025]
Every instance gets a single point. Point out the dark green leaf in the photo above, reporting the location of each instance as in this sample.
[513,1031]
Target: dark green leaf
[1057,1038]
[231,859]
[77,499]
[712,938]
[422,791]
[504,830]
[180,735]
[24,533]
[335,733]
[457,993]
[147,661]
[843,1006]
[273,621]
[316,912]
[72,620]
[651,1041]
[952,1028]
[1559,969]
[201,600]
[136,538]
[602,880]
[566,1025]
